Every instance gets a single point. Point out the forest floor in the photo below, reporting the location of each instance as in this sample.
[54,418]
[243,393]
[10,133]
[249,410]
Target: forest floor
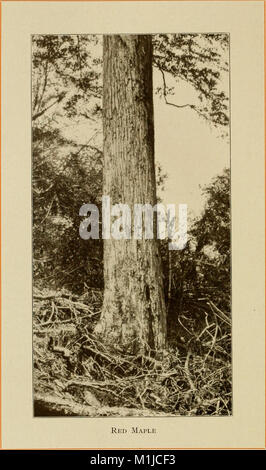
[75,375]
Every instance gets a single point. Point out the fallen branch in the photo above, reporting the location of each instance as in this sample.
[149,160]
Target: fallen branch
[49,405]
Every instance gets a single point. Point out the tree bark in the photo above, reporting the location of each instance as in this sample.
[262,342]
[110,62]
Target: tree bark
[134,313]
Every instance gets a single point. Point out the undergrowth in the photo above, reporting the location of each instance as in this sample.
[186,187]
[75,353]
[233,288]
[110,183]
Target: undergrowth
[76,374]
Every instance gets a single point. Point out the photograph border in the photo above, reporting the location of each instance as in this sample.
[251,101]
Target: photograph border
[1,118]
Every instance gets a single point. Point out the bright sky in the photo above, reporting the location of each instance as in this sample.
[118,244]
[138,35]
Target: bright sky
[189,149]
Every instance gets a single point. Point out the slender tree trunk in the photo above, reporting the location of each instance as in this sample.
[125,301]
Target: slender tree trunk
[134,313]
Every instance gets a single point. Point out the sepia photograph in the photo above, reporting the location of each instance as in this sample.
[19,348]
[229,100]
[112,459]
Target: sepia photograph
[131,225]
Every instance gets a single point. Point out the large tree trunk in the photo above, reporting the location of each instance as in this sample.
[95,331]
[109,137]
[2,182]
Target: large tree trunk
[134,314]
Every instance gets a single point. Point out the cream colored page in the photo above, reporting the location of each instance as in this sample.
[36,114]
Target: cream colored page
[244,22]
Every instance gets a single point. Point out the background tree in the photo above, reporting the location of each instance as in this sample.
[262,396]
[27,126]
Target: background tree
[66,91]
[201,274]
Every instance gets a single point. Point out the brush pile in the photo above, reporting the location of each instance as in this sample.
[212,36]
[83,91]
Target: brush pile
[76,375]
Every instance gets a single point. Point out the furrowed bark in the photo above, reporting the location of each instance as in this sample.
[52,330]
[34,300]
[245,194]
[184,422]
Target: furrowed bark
[134,314]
